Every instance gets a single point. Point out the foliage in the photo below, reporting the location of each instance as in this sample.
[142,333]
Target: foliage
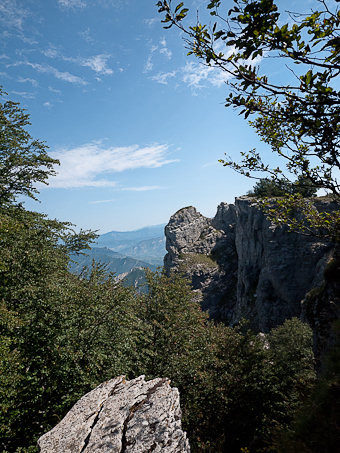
[315,429]
[235,390]
[267,187]
[297,116]
[24,161]
[56,329]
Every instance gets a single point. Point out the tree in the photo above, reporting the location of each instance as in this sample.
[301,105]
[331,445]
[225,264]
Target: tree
[299,116]
[24,161]
[266,187]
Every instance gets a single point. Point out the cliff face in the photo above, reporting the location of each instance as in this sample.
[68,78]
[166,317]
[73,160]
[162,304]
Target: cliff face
[241,265]
[204,250]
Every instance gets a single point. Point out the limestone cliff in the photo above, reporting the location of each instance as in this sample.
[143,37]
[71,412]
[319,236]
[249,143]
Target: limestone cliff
[119,416]
[241,265]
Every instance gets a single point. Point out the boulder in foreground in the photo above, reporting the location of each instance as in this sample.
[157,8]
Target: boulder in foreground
[121,416]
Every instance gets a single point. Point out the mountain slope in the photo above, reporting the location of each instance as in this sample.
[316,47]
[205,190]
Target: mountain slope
[116,263]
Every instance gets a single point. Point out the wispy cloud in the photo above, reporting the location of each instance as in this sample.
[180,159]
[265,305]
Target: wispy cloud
[163,77]
[11,15]
[86,35]
[151,21]
[65,76]
[24,94]
[33,82]
[47,104]
[72,4]
[51,52]
[148,67]
[101,201]
[98,63]
[142,188]
[162,49]
[195,74]
[54,90]
[87,165]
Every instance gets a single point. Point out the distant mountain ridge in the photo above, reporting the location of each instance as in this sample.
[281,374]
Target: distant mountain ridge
[126,253]
[115,262]
[146,244]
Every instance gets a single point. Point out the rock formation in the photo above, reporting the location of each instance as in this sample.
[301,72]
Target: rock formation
[321,309]
[121,416]
[241,265]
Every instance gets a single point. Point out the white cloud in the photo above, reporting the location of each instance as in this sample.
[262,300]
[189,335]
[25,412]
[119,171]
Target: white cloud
[101,201]
[47,104]
[151,21]
[65,76]
[164,50]
[97,63]
[72,3]
[142,188]
[24,94]
[162,77]
[54,90]
[148,65]
[194,74]
[51,52]
[28,80]
[86,35]
[87,165]
[11,15]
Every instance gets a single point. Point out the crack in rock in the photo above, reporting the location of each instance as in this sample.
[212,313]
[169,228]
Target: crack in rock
[88,437]
[135,408]
[138,417]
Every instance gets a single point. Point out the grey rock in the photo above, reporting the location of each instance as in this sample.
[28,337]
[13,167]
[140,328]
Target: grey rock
[321,309]
[276,268]
[257,271]
[120,416]
[204,250]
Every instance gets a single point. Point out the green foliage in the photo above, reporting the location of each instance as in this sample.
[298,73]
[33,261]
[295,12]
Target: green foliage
[56,330]
[266,187]
[236,387]
[315,428]
[298,118]
[24,161]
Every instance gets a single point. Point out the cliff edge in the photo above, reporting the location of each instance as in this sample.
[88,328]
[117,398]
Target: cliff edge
[243,266]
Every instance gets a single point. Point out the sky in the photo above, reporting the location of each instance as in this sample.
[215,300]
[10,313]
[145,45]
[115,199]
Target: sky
[138,126]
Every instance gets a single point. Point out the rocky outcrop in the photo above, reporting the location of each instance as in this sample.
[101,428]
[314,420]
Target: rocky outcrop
[255,270]
[321,309]
[204,250]
[120,416]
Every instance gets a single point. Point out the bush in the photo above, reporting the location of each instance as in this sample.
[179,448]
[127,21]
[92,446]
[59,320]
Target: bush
[271,188]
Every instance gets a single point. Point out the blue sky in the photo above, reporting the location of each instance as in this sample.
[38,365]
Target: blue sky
[137,125]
